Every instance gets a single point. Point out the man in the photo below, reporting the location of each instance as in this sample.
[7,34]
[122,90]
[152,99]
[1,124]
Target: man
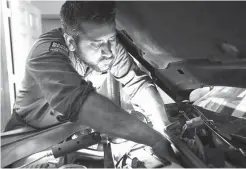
[55,88]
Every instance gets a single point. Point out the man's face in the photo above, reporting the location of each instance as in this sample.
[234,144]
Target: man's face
[96,47]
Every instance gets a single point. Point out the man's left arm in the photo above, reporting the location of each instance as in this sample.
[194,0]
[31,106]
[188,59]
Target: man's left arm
[139,87]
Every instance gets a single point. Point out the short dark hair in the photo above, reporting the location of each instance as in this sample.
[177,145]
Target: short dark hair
[74,12]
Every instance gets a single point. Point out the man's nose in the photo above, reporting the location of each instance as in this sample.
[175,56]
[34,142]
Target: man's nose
[106,50]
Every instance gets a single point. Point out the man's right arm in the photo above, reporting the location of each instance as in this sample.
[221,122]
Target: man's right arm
[103,115]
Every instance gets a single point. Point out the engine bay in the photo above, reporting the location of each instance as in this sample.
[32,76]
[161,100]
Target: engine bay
[198,136]
[205,134]
[198,140]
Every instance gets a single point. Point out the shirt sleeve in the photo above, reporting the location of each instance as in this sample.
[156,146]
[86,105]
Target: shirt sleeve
[64,89]
[128,73]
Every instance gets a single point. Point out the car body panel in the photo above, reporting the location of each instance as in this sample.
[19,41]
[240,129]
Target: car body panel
[189,44]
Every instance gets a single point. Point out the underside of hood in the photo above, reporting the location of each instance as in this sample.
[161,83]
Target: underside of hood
[189,44]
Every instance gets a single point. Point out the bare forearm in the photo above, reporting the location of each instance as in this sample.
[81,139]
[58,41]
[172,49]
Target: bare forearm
[150,101]
[101,114]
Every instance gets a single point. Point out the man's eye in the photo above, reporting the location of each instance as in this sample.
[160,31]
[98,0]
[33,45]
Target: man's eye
[96,45]
[112,39]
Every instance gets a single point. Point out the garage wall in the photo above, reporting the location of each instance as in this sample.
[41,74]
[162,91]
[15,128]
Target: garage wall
[50,7]
[49,24]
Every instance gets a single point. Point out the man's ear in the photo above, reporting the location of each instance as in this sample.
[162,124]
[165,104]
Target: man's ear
[70,42]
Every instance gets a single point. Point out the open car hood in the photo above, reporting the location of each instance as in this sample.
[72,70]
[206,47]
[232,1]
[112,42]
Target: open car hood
[189,44]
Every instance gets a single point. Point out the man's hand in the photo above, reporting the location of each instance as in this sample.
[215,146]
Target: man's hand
[151,102]
[163,150]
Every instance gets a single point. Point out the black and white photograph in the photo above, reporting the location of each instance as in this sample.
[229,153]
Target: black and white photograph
[123,84]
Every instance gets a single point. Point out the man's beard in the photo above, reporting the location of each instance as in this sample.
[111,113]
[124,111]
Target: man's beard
[97,68]
[104,69]
[94,66]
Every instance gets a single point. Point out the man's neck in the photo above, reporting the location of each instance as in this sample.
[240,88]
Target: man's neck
[77,61]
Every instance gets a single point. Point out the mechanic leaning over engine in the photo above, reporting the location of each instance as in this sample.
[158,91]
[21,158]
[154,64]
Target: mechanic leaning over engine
[56,86]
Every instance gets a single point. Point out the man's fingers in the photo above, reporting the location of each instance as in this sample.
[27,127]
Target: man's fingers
[164,150]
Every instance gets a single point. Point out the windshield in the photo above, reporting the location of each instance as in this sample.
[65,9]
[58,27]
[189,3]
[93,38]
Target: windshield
[225,101]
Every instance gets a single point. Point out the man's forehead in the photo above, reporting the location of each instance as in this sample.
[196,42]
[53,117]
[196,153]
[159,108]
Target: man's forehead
[98,31]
